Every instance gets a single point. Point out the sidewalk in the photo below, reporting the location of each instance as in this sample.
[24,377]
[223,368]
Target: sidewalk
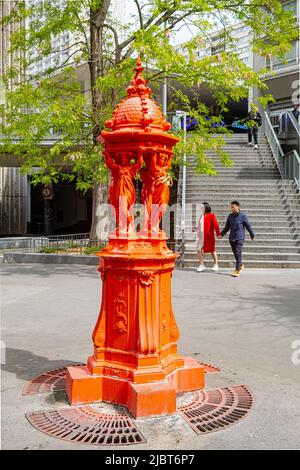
[244,326]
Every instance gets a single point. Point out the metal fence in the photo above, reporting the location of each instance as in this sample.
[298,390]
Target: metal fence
[76,244]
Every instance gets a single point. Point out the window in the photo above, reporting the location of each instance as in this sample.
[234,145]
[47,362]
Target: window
[290,59]
[240,30]
[217,49]
[243,40]
[291,6]
[240,50]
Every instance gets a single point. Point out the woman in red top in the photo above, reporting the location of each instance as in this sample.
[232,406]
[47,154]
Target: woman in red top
[206,229]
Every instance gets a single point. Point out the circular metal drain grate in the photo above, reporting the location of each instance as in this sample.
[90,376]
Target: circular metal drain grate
[216,409]
[50,381]
[87,426]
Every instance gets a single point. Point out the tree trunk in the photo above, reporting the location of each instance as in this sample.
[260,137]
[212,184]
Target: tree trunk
[100,214]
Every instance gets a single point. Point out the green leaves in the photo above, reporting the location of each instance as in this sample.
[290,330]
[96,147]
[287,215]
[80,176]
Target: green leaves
[51,120]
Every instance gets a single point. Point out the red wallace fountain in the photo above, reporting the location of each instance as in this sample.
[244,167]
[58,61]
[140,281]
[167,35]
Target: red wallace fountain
[135,361]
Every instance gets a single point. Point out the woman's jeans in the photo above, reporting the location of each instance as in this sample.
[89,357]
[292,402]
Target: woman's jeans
[252,131]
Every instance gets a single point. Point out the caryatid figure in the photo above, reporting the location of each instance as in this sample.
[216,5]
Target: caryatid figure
[122,190]
[155,191]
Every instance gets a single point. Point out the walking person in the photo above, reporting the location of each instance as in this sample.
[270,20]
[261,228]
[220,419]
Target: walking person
[236,223]
[255,121]
[206,229]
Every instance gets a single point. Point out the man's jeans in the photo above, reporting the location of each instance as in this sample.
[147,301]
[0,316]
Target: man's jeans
[252,131]
[237,248]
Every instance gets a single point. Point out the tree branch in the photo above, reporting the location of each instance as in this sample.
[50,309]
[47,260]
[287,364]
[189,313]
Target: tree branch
[140,14]
[82,28]
[114,31]
[167,14]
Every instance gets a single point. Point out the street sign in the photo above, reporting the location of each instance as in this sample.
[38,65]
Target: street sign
[47,192]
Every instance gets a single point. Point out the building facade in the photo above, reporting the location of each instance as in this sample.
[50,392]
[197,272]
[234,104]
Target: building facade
[14,187]
[282,77]
[23,209]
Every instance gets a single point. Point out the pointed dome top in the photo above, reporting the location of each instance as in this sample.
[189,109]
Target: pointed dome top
[138,111]
[138,84]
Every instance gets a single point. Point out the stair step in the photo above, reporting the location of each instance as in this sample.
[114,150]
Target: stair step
[282,243]
[257,220]
[247,208]
[229,263]
[224,206]
[226,183]
[273,204]
[280,249]
[271,194]
[258,236]
[226,192]
[252,256]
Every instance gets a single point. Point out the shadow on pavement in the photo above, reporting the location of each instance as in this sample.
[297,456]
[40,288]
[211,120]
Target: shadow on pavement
[47,270]
[26,365]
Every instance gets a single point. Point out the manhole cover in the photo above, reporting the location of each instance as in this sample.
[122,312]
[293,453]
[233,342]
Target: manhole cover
[52,380]
[218,408]
[87,426]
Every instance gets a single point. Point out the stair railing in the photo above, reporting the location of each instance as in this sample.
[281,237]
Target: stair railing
[289,163]
[288,125]
[274,144]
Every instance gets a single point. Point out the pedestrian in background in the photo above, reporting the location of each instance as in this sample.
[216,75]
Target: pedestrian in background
[254,121]
[236,223]
[207,227]
[296,111]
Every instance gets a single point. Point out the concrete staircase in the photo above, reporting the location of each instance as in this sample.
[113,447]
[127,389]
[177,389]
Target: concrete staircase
[272,204]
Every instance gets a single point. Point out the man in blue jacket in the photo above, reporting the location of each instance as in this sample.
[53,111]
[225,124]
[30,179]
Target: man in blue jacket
[237,222]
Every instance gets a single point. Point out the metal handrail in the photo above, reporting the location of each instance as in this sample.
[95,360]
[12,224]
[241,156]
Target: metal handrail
[294,122]
[274,143]
[291,164]
[288,124]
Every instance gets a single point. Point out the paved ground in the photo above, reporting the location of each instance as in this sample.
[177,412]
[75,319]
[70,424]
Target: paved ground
[245,326]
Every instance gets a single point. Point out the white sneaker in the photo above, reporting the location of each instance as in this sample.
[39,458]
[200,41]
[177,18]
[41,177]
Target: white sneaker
[215,267]
[250,144]
[200,268]
[256,146]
